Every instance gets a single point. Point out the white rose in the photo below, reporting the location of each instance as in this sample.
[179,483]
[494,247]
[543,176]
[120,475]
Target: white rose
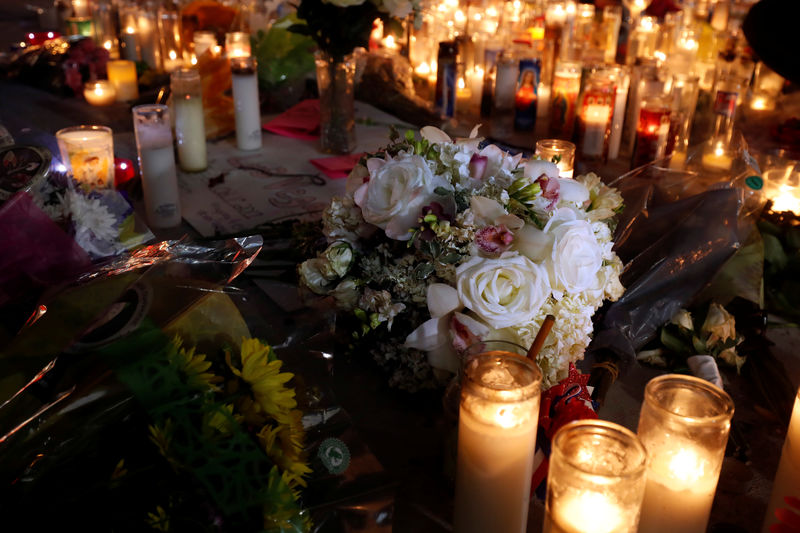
[344,3]
[314,275]
[397,190]
[505,291]
[576,257]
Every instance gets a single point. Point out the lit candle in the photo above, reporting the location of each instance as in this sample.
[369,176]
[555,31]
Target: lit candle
[99,93]
[595,119]
[717,158]
[148,39]
[246,103]
[463,96]
[122,74]
[596,479]
[237,44]
[496,441]
[204,41]
[762,102]
[623,81]
[190,130]
[151,125]
[88,152]
[81,8]
[566,86]
[684,425]
[651,133]
[563,151]
[787,479]
[173,61]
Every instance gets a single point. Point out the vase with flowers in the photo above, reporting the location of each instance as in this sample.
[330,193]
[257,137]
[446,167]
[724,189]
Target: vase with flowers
[339,27]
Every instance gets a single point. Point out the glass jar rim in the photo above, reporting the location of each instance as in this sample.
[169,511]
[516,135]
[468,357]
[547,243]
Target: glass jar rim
[722,400]
[84,127]
[503,393]
[555,144]
[609,430]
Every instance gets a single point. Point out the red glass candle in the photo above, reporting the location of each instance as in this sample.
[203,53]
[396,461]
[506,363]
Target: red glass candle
[123,171]
[651,133]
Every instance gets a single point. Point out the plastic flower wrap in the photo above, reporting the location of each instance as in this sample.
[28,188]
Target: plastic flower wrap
[439,243]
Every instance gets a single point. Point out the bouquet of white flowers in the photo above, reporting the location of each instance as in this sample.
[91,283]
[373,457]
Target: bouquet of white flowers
[440,243]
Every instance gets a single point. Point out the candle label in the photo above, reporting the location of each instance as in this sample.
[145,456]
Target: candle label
[525,98]
[725,103]
[446,79]
[562,108]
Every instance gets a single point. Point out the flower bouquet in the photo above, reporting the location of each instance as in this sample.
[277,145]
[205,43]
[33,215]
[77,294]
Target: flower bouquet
[440,243]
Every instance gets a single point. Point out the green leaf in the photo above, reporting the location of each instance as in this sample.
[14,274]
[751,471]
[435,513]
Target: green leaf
[410,135]
[673,343]
[441,191]
[699,346]
[774,253]
[451,258]
[423,270]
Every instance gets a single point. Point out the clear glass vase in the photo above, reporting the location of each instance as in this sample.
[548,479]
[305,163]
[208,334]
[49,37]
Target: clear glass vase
[335,80]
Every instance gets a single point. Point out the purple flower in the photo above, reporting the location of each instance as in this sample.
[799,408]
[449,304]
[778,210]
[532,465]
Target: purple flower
[494,240]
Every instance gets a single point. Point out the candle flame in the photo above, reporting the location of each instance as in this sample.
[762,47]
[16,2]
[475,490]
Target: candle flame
[589,512]
[107,45]
[788,199]
[460,17]
[719,150]
[388,42]
[506,418]
[423,69]
[173,55]
[686,466]
[461,84]
[492,12]
[194,59]
[661,56]
[130,30]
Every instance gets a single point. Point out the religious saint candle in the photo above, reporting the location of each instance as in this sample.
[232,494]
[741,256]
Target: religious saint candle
[246,103]
[786,487]
[595,480]
[100,93]
[237,44]
[562,151]
[122,75]
[151,125]
[651,133]
[88,153]
[190,132]
[564,98]
[497,425]
[684,425]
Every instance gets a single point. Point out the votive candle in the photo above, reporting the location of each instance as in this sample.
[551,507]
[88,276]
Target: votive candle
[496,441]
[684,425]
[204,41]
[88,152]
[596,479]
[99,93]
[122,74]
[548,149]
[716,157]
[151,125]
[237,44]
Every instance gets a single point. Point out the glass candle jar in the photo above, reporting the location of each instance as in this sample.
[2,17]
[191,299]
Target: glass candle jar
[594,118]
[237,44]
[122,75]
[100,93]
[622,81]
[151,125]
[787,479]
[563,151]
[88,152]
[204,41]
[148,38]
[498,418]
[596,479]
[190,131]
[652,132]
[564,99]
[246,103]
[684,425]
[170,34]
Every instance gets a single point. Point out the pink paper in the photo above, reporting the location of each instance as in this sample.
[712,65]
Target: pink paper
[298,122]
[338,166]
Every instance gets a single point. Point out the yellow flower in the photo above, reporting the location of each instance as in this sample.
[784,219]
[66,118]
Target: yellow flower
[158,520]
[284,445]
[265,379]
[161,435]
[193,366]
[220,422]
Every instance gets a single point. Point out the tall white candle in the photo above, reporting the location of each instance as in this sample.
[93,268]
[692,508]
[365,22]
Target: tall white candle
[130,46]
[787,479]
[620,100]
[246,103]
[157,165]
[190,129]
[148,40]
[496,441]
[595,120]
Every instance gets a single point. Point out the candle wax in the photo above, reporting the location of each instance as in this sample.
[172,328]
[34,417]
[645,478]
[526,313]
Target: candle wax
[247,112]
[191,134]
[679,492]
[100,94]
[493,479]
[587,512]
[596,119]
[122,74]
[787,480]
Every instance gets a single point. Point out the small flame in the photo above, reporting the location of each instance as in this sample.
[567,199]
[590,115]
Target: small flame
[173,55]
[107,45]
[423,69]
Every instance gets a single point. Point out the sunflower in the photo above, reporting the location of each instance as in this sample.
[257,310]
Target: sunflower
[266,381]
[194,366]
